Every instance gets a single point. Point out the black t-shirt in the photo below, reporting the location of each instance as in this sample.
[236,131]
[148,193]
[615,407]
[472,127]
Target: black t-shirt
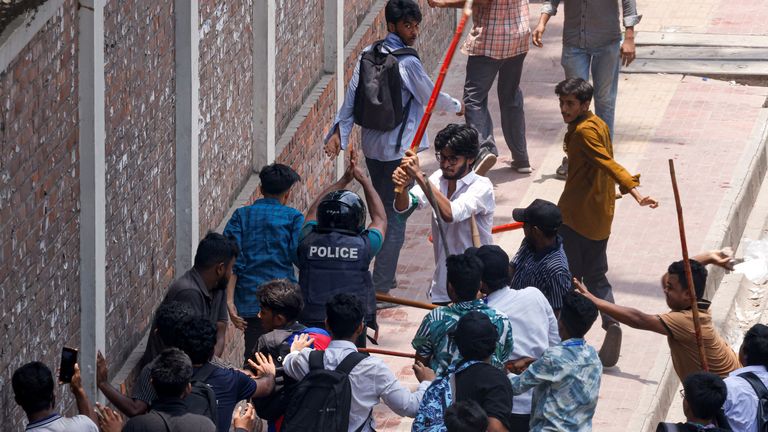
[489,387]
[686,427]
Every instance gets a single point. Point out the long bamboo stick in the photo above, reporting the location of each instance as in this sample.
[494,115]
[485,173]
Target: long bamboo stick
[404,302]
[387,352]
[687,265]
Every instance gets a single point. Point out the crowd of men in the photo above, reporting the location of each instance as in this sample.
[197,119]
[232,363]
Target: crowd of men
[504,349]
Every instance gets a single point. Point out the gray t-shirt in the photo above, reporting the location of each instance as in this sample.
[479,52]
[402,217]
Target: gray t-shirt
[57,423]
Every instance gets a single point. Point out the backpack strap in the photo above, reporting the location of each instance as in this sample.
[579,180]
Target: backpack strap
[756,383]
[406,51]
[406,111]
[165,421]
[316,360]
[350,361]
[203,373]
[671,427]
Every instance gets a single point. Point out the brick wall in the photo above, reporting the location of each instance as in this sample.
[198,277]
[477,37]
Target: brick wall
[354,13]
[226,105]
[299,48]
[39,223]
[140,175]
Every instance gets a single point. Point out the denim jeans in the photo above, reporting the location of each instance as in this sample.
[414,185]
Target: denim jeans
[604,64]
[385,266]
[481,72]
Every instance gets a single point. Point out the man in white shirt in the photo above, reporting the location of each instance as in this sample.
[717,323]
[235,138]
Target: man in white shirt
[532,318]
[370,380]
[741,403]
[33,387]
[456,191]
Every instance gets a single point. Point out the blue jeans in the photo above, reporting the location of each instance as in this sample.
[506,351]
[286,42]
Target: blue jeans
[385,266]
[604,63]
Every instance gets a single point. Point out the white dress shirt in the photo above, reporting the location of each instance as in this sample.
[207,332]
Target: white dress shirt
[741,403]
[370,381]
[534,326]
[473,196]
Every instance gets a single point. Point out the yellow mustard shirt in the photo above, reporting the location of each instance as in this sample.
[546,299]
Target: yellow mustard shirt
[589,196]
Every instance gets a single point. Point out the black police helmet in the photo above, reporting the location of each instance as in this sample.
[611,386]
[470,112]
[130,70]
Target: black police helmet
[342,211]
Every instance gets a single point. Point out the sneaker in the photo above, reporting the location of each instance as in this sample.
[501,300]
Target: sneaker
[521,167]
[562,170]
[484,162]
[609,352]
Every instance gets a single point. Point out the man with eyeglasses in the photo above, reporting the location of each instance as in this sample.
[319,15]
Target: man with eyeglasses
[456,191]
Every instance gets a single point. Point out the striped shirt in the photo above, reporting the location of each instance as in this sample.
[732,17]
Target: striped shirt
[546,270]
[500,29]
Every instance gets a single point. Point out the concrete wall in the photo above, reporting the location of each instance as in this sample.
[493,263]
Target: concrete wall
[39,160]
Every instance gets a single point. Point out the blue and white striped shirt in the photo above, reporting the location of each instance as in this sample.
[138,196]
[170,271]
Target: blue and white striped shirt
[546,270]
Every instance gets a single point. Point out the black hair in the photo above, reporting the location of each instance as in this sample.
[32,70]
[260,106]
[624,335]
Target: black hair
[463,140]
[465,416]
[495,266]
[168,315]
[578,87]
[465,272]
[171,372]
[578,314]
[277,179]
[344,313]
[755,345]
[196,336]
[705,393]
[281,296]
[215,249]
[698,272]
[475,336]
[33,387]
[402,10]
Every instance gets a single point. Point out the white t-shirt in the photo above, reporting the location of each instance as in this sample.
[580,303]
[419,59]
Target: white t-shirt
[534,326]
[57,423]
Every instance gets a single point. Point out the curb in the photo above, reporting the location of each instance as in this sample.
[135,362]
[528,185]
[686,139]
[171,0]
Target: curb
[726,230]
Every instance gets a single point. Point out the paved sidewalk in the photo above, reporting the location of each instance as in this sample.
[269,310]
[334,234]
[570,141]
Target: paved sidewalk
[702,124]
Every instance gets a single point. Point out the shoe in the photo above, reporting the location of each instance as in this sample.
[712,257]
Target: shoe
[611,349]
[484,162]
[562,170]
[521,167]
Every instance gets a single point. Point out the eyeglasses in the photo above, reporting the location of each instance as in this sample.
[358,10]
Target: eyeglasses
[682,393]
[451,160]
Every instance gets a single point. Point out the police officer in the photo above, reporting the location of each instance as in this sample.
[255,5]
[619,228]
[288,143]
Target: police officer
[335,249]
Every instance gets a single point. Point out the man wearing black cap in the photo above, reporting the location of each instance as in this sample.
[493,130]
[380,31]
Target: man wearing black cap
[541,262]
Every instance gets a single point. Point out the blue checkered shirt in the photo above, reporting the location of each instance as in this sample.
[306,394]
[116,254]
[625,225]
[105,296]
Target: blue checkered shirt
[267,233]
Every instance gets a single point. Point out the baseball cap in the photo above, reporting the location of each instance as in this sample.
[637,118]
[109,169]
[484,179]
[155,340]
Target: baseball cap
[540,213]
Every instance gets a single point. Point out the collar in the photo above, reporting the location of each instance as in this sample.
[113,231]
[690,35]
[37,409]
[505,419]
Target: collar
[538,255]
[499,293]
[171,405]
[573,342]
[572,125]
[195,275]
[467,180]
[341,344]
[755,369]
[269,201]
[42,422]
[468,305]
[393,41]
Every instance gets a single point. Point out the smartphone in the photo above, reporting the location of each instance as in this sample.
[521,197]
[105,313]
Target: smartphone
[67,367]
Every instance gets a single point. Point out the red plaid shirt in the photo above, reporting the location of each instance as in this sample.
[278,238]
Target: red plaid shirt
[500,29]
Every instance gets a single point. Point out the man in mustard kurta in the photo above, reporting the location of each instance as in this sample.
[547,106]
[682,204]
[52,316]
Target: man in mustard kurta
[588,200]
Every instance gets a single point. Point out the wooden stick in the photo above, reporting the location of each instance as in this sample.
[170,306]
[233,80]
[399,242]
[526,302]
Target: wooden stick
[387,352]
[475,232]
[404,302]
[687,265]
[440,78]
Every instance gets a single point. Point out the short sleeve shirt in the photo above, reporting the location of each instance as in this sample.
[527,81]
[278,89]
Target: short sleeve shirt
[57,423]
[489,387]
[546,270]
[231,386]
[681,338]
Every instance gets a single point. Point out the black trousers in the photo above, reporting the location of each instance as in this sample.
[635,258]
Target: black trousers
[519,422]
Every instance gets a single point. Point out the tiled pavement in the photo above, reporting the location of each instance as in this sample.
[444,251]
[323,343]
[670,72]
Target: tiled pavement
[702,124]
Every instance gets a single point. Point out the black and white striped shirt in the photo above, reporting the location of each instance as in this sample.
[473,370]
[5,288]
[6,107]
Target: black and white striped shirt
[546,270]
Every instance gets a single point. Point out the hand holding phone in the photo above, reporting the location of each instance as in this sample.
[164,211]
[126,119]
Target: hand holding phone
[67,366]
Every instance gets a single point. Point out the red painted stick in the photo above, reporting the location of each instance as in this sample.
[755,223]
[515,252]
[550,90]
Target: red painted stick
[498,228]
[386,352]
[440,78]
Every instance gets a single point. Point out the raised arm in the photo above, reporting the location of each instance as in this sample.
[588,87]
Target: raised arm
[410,163]
[375,205]
[625,315]
[339,184]
[81,398]
[128,406]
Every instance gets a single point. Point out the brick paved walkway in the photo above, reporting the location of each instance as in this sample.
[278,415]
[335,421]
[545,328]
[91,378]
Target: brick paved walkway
[702,124]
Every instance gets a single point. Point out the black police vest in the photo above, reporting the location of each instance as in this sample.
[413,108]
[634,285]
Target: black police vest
[333,263]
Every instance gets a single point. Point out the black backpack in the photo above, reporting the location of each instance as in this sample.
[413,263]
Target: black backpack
[378,97]
[202,400]
[762,399]
[321,400]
